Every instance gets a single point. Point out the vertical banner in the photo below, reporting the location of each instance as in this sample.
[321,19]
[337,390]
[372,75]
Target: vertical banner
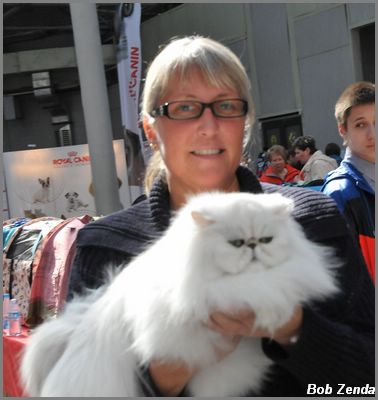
[129,66]
[57,182]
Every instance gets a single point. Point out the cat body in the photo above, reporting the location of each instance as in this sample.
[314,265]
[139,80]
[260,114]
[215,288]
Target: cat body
[221,252]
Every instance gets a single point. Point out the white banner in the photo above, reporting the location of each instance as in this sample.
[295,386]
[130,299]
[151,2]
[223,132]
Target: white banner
[129,67]
[57,182]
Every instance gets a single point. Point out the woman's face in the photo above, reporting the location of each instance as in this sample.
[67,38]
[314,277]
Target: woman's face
[277,162]
[359,134]
[200,154]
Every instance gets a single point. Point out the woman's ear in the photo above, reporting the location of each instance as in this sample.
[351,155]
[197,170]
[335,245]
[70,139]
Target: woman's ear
[149,129]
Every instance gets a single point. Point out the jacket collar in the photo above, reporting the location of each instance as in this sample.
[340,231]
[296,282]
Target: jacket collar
[160,203]
[346,170]
[365,168]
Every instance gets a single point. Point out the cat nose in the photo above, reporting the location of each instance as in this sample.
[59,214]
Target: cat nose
[252,245]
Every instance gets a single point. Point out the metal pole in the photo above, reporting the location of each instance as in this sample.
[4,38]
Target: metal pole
[95,101]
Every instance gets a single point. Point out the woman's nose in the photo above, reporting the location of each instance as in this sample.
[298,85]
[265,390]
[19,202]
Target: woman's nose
[208,122]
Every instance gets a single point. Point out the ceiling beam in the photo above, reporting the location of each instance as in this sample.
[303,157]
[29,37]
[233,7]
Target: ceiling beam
[47,59]
[41,27]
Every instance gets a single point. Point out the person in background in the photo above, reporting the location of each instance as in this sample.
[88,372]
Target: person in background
[315,164]
[292,160]
[279,171]
[333,150]
[197,112]
[261,162]
[352,184]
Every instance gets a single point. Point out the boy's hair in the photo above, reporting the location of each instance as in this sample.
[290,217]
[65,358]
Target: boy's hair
[302,142]
[355,94]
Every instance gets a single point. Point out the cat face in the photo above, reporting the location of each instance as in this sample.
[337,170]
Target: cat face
[244,231]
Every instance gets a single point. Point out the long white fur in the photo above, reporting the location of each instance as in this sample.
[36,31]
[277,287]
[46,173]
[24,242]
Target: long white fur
[156,307]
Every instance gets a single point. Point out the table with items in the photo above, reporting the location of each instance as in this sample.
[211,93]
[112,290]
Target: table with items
[12,351]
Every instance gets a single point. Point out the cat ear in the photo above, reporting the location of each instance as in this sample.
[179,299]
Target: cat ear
[200,219]
[282,205]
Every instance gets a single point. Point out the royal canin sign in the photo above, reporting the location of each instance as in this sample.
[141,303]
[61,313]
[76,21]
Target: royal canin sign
[72,158]
[134,67]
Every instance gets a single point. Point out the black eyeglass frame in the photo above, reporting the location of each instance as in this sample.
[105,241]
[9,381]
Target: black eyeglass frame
[162,110]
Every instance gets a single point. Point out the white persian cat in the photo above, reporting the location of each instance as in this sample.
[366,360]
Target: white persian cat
[221,252]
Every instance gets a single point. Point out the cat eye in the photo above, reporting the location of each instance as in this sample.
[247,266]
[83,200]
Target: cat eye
[266,239]
[237,242]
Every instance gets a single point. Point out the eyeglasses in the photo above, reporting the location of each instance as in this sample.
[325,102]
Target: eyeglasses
[189,109]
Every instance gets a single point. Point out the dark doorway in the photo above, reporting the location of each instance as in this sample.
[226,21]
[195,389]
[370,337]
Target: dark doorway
[282,130]
[367,46]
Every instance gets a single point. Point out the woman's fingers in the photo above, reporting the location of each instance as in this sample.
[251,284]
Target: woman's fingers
[232,324]
[241,323]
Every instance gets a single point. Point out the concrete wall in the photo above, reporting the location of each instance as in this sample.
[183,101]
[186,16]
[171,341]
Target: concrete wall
[325,58]
[299,56]
[271,47]
[325,68]
[224,22]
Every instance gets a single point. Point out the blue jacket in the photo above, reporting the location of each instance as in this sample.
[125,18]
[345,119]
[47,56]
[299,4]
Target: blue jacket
[355,199]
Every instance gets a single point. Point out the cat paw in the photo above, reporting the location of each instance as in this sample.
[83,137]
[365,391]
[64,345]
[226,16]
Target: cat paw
[271,319]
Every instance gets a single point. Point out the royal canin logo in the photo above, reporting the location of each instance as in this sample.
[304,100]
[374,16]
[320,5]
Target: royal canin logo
[72,158]
[134,68]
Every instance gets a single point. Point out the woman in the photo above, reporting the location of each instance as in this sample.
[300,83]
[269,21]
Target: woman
[315,164]
[196,113]
[352,185]
[279,171]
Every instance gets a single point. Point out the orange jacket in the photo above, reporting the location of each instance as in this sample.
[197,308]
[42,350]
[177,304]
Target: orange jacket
[270,177]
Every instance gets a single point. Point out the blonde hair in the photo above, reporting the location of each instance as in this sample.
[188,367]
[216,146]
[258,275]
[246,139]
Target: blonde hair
[216,63]
[155,168]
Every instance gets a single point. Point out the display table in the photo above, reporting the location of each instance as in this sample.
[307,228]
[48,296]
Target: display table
[12,349]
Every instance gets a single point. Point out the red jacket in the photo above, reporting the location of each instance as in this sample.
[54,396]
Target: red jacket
[270,177]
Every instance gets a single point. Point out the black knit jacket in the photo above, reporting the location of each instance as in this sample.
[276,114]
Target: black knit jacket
[336,344]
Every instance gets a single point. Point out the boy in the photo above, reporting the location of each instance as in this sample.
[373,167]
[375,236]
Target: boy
[352,184]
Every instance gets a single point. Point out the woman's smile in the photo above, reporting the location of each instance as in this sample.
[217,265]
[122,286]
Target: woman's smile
[207,152]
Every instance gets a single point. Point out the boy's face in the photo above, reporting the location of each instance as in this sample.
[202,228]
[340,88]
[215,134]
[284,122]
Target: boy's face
[359,134]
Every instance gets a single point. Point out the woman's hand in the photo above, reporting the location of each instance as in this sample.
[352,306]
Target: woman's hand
[241,323]
[172,377]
